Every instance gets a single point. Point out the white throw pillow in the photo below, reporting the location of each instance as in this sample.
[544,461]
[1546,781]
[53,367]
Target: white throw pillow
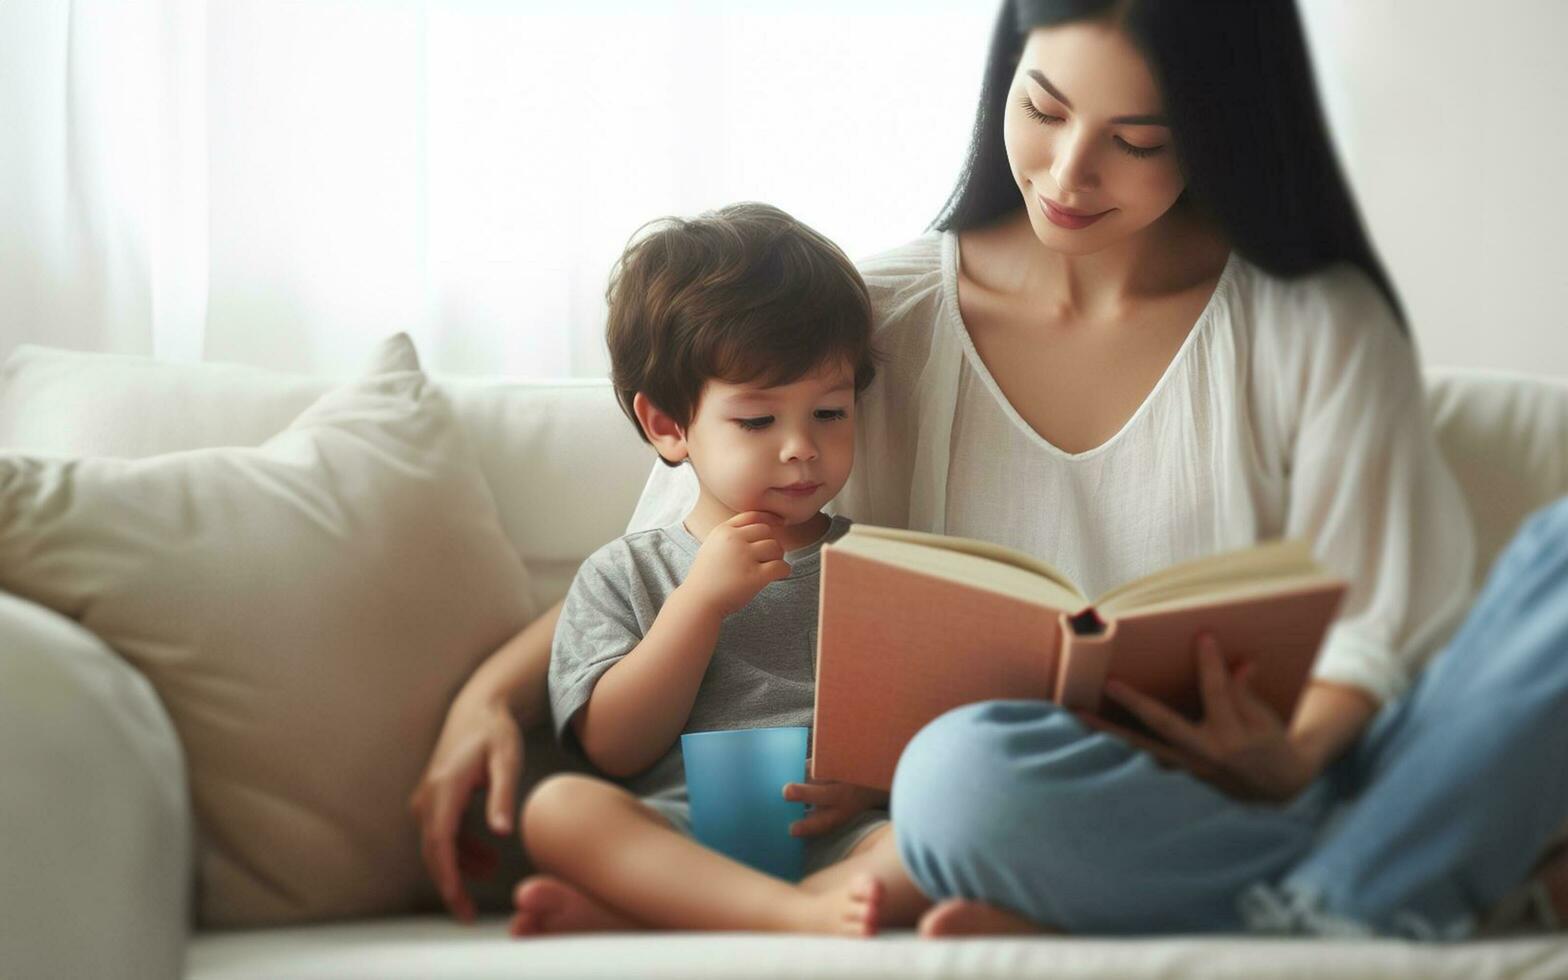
[305,610]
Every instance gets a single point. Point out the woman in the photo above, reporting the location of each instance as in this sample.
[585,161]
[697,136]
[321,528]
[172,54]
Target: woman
[1150,328]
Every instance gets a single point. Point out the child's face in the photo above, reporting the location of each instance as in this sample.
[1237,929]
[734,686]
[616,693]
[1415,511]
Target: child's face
[784,450]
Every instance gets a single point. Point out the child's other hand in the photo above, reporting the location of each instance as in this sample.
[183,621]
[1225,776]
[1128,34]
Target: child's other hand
[736,561]
[833,804]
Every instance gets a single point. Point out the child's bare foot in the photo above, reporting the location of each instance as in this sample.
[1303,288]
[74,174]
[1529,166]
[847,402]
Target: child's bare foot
[547,905]
[848,908]
[859,906]
[963,917]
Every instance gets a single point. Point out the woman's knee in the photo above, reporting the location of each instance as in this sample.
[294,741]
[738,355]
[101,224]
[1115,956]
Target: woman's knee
[980,741]
[965,741]
[960,781]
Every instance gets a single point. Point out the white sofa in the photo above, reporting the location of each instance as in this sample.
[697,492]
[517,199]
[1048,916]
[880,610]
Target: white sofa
[95,831]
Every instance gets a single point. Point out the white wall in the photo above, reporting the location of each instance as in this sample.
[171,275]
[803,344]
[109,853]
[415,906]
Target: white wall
[1452,118]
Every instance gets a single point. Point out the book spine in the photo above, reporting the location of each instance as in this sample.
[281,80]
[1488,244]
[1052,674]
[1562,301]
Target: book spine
[1085,660]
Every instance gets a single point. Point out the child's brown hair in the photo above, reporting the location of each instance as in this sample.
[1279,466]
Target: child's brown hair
[745,294]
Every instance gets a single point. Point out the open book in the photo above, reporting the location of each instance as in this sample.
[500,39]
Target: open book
[912,625]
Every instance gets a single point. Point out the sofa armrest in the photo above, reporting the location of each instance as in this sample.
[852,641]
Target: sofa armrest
[95,818]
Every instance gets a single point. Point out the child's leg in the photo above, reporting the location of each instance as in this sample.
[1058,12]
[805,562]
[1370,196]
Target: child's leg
[627,864]
[900,901]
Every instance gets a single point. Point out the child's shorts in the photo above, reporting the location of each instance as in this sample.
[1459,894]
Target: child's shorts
[822,850]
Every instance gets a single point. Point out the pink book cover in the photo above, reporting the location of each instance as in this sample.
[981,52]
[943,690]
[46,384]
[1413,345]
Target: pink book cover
[896,648]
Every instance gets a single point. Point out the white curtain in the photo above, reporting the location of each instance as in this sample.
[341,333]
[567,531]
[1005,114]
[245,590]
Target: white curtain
[282,183]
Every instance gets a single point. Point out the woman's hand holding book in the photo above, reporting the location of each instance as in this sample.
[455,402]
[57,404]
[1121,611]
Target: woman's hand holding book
[1240,745]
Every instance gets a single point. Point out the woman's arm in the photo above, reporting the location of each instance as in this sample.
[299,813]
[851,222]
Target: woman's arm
[1329,719]
[481,744]
[1339,388]
[515,674]
[1368,485]
[1240,744]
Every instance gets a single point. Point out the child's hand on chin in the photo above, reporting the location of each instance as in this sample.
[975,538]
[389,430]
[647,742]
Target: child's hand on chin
[832,803]
[737,560]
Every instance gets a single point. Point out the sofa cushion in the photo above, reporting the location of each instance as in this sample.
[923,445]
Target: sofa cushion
[1505,436]
[94,814]
[305,609]
[77,403]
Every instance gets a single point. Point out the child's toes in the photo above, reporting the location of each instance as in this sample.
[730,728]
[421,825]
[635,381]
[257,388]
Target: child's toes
[865,907]
[867,887]
[522,924]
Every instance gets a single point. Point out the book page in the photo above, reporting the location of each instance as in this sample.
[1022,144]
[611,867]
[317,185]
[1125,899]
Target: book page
[1269,567]
[967,561]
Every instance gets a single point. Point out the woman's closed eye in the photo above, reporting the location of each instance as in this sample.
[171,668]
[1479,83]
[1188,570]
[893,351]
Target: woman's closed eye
[1044,118]
[1033,112]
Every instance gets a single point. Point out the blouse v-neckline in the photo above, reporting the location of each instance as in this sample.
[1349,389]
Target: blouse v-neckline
[955,321]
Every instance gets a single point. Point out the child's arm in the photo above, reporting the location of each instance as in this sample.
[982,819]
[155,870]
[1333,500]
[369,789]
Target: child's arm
[640,706]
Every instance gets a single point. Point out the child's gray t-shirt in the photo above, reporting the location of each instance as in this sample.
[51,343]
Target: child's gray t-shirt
[763,671]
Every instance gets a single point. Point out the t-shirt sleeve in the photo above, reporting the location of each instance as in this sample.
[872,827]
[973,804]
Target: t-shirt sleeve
[598,626]
[1368,485]
[667,497]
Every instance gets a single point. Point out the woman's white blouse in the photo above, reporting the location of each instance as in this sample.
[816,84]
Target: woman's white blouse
[1293,409]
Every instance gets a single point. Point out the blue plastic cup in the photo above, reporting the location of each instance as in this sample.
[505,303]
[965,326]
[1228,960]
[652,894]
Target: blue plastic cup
[736,783]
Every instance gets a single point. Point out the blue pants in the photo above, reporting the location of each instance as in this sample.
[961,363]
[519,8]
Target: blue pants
[1436,813]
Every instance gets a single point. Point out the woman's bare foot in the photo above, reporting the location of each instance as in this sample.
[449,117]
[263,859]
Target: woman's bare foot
[962,917]
[547,906]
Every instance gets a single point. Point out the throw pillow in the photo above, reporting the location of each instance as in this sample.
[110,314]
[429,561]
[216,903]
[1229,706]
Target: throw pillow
[305,610]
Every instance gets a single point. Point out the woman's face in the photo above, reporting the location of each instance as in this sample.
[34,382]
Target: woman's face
[1086,138]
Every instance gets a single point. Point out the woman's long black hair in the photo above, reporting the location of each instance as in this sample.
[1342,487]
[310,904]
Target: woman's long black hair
[1244,114]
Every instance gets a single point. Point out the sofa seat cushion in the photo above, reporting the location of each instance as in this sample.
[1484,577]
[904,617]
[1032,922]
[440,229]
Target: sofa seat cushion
[435,949]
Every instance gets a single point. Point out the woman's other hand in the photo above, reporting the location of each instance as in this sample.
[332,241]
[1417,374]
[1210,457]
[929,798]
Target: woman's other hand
[481,745]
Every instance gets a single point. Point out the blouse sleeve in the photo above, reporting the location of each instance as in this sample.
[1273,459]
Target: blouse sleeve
[668,496]
[1368,485]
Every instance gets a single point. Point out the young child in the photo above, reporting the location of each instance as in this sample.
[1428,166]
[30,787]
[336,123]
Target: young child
[739,342]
